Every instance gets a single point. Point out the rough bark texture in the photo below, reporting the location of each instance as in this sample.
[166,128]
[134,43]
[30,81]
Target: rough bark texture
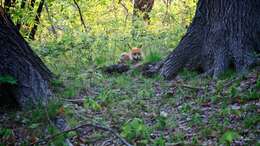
[143,6]
[18,60]
[223,34]
[141,9]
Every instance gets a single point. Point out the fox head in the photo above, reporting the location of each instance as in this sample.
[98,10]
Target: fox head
[136,54]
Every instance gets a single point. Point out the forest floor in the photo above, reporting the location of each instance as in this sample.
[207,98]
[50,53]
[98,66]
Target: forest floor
[189,110]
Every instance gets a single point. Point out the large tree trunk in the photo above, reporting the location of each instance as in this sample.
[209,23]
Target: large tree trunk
[18,60]
[223,34]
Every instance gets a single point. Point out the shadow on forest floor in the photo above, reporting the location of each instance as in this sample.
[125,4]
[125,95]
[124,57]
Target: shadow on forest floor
[189,110]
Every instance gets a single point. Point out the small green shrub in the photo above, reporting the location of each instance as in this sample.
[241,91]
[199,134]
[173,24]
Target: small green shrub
[233,91]
[188,74]
[159,142]
[91,104]
[161,122]
[153,56]
[105,97]
[227,74]
[135,130]
[6,132]
[258,83]
[228,137]
[252,94]
[251,121]
[42,112]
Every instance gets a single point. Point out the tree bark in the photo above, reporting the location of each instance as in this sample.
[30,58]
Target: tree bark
[143,7]
[18,60]
[223,34]
[36,20]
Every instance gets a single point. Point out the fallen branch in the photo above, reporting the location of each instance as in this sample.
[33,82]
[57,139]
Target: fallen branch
[76,101]
[191,87]
[81,126]
[185,86]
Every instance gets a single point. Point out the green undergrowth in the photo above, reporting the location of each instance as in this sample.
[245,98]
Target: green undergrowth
[189,110]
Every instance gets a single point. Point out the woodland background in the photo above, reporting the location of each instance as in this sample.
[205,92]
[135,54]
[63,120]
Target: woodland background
[189,110]
[62,39]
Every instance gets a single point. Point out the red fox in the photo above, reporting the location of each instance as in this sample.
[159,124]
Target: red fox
[134,56]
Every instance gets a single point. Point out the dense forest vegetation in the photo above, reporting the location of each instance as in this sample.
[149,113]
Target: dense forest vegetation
[64,78]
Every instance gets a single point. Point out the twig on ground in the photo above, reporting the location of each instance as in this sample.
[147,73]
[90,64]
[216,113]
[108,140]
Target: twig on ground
[191,87]
[186,86]
[86,125]
[229,83]
[76,101]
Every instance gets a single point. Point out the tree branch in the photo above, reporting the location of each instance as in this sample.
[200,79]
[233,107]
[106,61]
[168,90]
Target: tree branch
[81,17]
[82,126]
[37,20]
[50,19]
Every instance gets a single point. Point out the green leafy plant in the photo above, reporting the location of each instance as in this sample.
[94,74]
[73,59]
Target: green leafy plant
[91,104]
[58,140]
[159,142]
[228,137]
[105,97]
[6,132]
[43,112]
[7,79]
[161,122]
[214,99]
[227,74]
[251,121]
[252,94]
[188,74]
[258,83]
[233,91]
[153,56]
[135,130]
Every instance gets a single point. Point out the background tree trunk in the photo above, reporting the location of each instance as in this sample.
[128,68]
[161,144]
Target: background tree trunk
[7,5]
[18,60]
[36,20]
[223,34]
[141,8]
[53,30]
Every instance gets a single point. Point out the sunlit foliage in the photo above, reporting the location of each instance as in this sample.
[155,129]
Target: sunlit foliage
[109,26]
